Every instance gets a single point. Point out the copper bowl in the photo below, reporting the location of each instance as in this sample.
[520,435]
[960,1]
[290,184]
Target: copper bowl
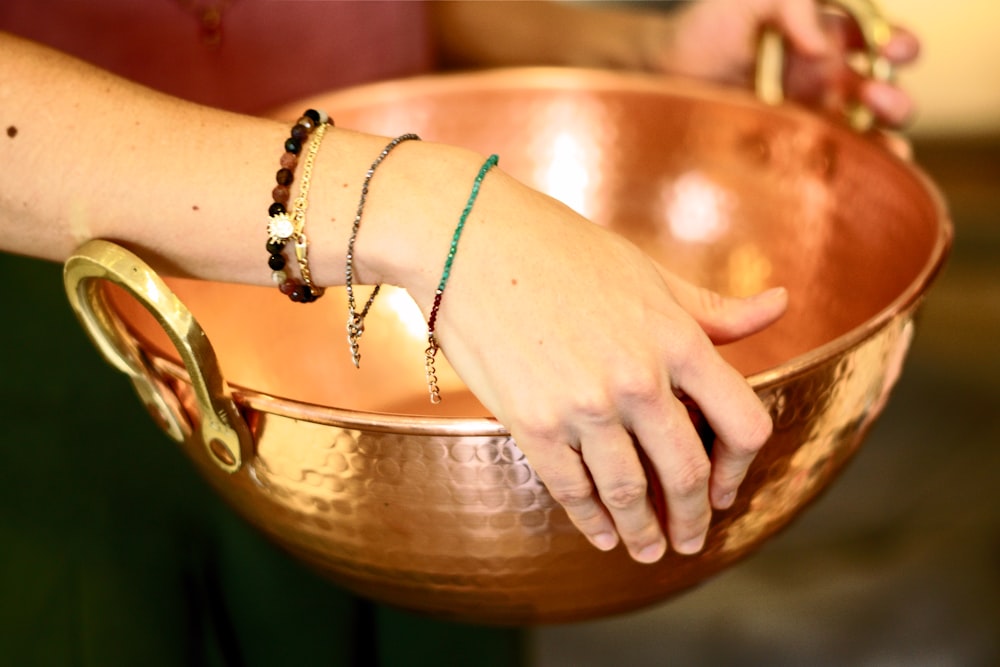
[435,508]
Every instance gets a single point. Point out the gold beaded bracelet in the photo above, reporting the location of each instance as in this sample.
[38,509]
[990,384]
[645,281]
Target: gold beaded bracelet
[286,226]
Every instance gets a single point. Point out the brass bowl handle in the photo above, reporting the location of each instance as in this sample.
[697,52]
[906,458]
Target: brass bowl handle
[221,428]
[875,31]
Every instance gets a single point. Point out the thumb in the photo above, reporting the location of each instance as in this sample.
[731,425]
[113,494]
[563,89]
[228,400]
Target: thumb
[728,319]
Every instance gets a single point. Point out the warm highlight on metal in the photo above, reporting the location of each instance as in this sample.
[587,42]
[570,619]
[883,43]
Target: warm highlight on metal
[434,508]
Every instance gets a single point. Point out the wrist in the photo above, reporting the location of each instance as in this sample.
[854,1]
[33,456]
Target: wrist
[412,206]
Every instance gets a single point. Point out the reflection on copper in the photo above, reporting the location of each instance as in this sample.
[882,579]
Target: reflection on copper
[435,508]
[565,177]
[698,211]
[749,270]
[828,415]
[405,310]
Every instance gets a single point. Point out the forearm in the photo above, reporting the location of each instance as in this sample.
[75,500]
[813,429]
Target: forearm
[90,155]
[547,33]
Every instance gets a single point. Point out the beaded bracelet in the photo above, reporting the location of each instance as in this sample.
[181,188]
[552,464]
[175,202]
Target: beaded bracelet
[285,226]
[432,344]
[356,320]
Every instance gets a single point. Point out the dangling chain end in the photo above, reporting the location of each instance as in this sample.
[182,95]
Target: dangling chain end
[434,392]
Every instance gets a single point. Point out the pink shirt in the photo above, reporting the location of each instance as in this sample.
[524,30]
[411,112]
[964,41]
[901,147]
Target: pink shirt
[271,51]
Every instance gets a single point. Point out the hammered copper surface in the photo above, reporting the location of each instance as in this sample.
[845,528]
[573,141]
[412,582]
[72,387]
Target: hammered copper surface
[438,510]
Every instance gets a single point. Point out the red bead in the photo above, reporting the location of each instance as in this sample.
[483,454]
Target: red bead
[289,160]
[280,194]
[286,287]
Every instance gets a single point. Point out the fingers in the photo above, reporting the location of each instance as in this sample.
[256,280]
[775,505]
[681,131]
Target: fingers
[890,104]
[679,461]
[622,486]
[827,81]
[727,319]
[741,423]
[658,424]
[568,482]
[731,460]
[662,428]
[605,488]
[903,47]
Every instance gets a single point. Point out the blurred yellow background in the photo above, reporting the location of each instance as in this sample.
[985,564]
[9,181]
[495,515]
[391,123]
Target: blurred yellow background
[957,80]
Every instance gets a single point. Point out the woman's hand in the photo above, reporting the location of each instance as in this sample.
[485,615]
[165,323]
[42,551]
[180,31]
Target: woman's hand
[576,341]
[713,40]
[717,40]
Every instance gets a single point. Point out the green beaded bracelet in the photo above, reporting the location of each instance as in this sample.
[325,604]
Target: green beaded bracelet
[432,345]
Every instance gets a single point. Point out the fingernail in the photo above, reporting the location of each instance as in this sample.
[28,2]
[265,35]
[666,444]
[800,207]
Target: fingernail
[726,501]
[691,546]
[901,48]
[773,293]
[605,541]
[651,553]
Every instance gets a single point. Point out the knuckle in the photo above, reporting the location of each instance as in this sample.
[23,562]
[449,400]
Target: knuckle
[572,496]
[692,479]
[728,478]
[689,347]
[694,525]
[536,426]
[640,385]
[625,494]
[593,406]
[711,302]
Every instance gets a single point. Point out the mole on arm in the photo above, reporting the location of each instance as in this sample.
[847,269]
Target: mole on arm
[11,131]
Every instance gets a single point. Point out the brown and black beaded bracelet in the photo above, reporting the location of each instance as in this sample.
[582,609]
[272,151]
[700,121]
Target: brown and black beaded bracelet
[286,225]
